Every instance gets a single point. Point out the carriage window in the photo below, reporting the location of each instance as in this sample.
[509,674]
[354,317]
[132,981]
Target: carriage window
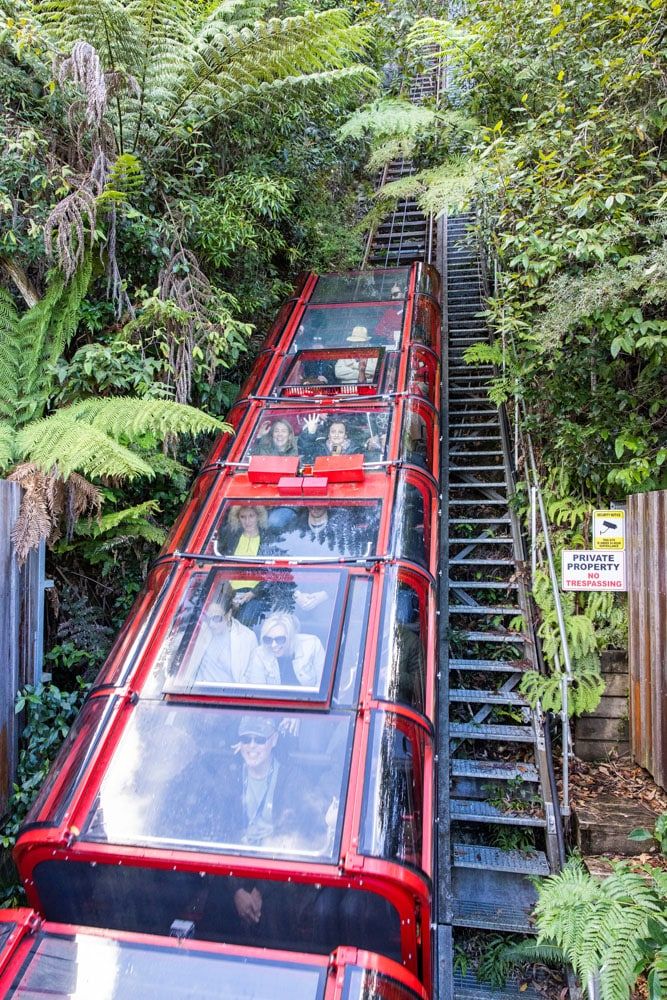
[418,436]
[426,324]
[295,916]
[82,737]
[411,529]
[423,374]
[258,372]
[351,659]
[234,782]
[367,984]
[394,790]
[5,930]
[246,631]
[338,326]
[63,967]
[429,281]
[320,530]
[362,286]
[280,322]
[224,442]
[355,372]
[401,667]
[312,434]
[183,527]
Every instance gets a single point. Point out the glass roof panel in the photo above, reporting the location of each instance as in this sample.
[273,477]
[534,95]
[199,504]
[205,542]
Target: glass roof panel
[81,966]
[232,781]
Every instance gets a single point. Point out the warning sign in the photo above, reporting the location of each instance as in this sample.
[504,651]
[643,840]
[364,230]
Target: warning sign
[609,530]
[586,569]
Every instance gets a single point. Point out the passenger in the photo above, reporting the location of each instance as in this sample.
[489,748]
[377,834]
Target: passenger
[287,656]
[318,373]
[275,438]
[224,649]
[313,442]
[330,531]
[265,799]
[356,370]
[242,535]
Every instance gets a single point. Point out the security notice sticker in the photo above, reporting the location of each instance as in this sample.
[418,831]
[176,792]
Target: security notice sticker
[586,569]
[609,530]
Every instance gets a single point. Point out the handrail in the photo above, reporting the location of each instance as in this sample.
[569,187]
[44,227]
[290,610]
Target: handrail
[523,447]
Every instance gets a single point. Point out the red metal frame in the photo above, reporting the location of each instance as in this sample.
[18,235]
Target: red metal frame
[130,663]
[28,922]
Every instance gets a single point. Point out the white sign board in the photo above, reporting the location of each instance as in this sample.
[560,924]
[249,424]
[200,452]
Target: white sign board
[586,569]
[609,530]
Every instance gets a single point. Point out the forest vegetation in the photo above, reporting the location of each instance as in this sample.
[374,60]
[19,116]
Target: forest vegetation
[168,167]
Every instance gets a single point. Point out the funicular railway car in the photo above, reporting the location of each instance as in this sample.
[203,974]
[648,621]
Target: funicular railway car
[64,962]
[255,760]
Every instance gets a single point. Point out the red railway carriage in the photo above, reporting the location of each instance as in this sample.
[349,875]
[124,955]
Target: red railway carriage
[256,756]
[68,962]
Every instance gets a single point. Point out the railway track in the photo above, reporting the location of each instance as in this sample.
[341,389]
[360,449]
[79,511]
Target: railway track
[499,823]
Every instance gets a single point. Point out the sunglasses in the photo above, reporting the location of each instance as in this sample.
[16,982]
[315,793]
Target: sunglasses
[216,618]
[274,640]
[249,738]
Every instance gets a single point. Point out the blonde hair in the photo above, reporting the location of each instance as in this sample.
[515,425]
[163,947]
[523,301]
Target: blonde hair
[234,523]
[284,620]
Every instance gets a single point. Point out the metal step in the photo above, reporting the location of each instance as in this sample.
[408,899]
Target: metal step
[478,609]
[468,987]
[490,916]
[493,859]
[510,637]
[482,585]
[482,562]
[479,696]
[482,540]
[471,811]
[476,503]
[493,771]
[480,520]
[492,666]
[501,734]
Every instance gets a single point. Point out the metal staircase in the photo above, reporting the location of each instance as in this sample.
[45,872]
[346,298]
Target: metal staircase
[500,820]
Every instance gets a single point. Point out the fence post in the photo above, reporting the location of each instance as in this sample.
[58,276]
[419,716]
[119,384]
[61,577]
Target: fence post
[21,631]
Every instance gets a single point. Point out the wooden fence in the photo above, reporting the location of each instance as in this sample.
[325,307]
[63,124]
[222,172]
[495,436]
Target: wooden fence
[21,632]
[647,594]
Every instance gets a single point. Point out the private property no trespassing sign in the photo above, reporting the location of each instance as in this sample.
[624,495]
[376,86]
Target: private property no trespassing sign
[586,569]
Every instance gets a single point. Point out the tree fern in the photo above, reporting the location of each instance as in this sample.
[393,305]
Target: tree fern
[391,117]
[604,928]
[86,437]
[32,343]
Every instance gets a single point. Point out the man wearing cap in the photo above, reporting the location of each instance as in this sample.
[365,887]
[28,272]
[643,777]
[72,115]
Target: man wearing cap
[265,796]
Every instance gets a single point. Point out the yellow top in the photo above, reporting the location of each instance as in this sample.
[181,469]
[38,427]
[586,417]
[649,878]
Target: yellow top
[247,545]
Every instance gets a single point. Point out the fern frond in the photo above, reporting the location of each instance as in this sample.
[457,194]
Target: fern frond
[394,149]
[69,445]
[10,355]
[119,518]
[86,437]
[7,446]
[389,118]
[130,418]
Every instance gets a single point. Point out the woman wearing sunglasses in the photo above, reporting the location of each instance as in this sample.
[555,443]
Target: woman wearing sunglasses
[287,656]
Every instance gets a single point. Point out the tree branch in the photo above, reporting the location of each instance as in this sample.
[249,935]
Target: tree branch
[21,280]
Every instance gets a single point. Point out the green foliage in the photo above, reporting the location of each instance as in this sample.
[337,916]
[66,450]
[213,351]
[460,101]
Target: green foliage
[31,343]
[659,833]
[568,173]
[94,436]
[615,929]
[49,714]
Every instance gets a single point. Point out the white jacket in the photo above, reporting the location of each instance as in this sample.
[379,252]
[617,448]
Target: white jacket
[307,661]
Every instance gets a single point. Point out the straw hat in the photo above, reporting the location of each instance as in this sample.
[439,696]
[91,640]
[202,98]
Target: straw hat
[359,335]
